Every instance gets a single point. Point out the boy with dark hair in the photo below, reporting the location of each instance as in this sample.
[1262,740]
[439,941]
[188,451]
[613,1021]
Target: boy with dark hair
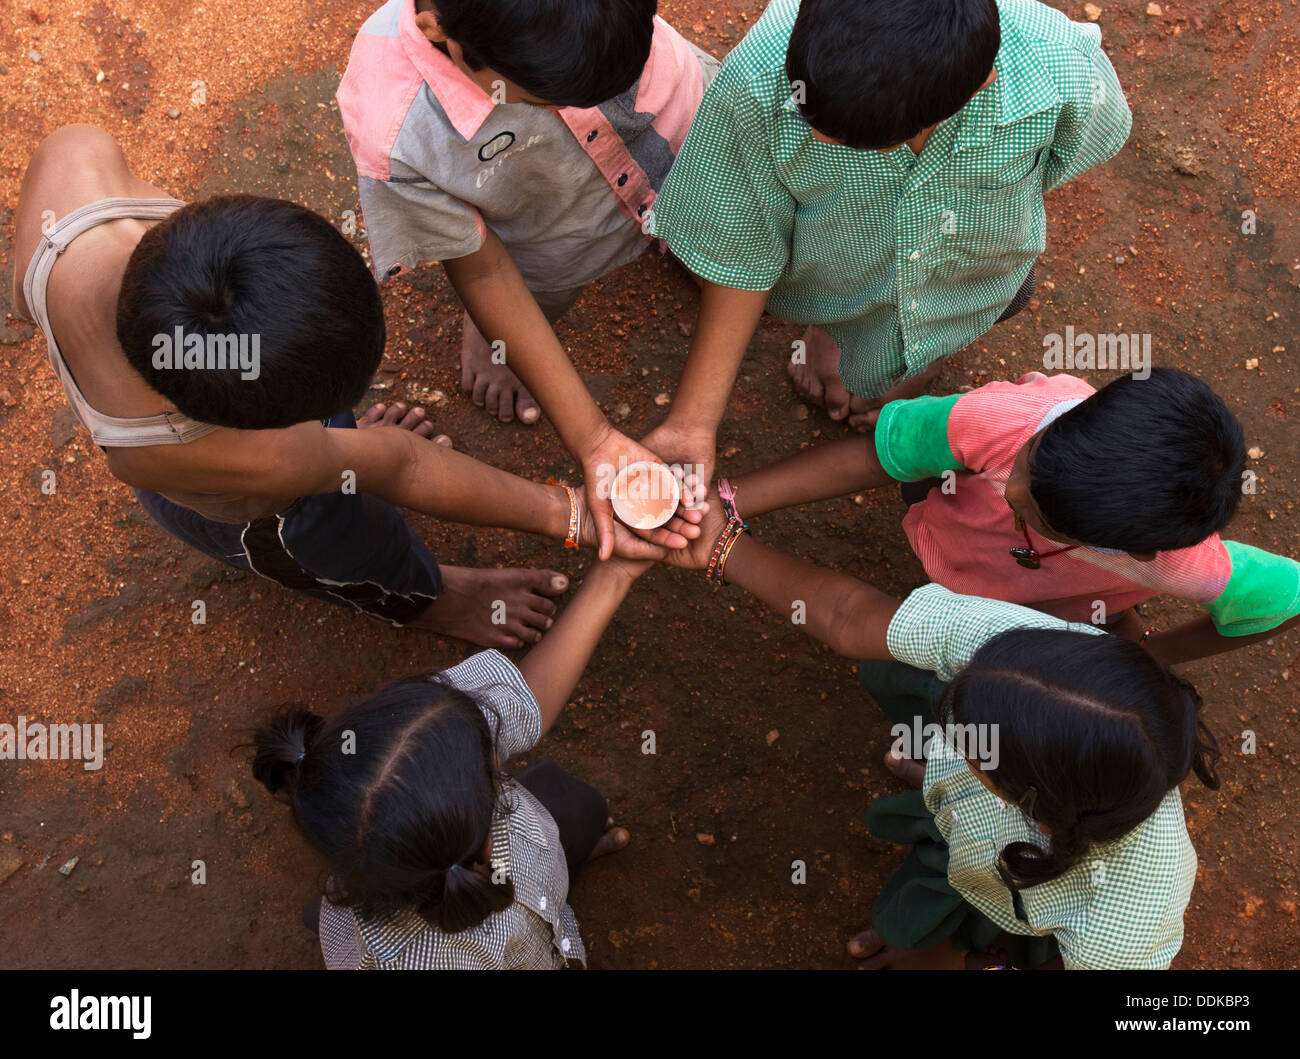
[1078,502]
[215,350]
[875,169]
[521,145]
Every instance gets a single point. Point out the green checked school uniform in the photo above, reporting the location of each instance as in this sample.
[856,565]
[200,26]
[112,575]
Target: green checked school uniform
[902,259]
[1121,907]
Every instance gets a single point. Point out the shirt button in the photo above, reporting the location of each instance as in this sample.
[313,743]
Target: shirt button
[542,902]
[915,255]
[913,305]
[591,135]
[564,944]
[622,180]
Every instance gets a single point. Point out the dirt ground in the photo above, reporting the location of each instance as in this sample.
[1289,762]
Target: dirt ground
[96,602]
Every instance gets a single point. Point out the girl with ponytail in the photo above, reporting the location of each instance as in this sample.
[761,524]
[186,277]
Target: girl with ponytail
[438,859]
[1046,821]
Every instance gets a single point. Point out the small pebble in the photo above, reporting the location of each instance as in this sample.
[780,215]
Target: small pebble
[1255,452]
[1092,11]
[703,839]
[773,736]
[662,399]
[1155,10]
[172,112]
[801,411]
[66,870]
[34,55]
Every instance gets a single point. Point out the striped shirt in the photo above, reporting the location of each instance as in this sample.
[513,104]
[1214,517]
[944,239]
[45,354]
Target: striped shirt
[538,931]
[439,162]
[902,259]
[1122,905]
[963,534]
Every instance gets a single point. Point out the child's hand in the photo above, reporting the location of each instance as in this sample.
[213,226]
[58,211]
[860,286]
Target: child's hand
[696,554]
[653,544]
[610,452]
[628,568]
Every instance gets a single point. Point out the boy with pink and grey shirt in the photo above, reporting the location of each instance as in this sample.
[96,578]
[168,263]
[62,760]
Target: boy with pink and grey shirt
[439,162]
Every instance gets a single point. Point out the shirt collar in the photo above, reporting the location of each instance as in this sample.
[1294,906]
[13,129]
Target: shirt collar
[1023,87]
[466,105]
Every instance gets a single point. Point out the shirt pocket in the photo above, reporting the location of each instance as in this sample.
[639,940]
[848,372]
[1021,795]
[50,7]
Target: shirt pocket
[994,221]
[972,865]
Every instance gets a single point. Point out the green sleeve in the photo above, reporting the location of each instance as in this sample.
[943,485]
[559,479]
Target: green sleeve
[723,210]
[912,438]
[1263,592]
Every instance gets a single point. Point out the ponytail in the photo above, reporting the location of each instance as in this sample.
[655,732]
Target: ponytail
[282,746]
[463,898]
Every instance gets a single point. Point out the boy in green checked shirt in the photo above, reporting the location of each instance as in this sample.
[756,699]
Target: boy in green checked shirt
[875,169]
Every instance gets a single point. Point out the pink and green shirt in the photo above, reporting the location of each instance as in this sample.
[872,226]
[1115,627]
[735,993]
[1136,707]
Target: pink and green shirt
[963,536]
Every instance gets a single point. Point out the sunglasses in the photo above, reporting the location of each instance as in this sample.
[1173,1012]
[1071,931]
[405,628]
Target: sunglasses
[1030,557]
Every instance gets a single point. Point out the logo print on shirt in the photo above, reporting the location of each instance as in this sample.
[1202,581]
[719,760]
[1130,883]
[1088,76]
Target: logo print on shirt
[498,160]
[495,146]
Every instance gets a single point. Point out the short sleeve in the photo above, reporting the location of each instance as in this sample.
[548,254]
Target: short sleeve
[987,426]
[940,631]
[1262,593]
[912,438]
[500,688]
[340,942]
[1095,119]
[411,220]
[723,211]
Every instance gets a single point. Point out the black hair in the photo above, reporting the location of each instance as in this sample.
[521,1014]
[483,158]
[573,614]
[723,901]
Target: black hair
[568,53]
[257,270]
[397,794]
[874,73]
[1098,727]
[1143,465]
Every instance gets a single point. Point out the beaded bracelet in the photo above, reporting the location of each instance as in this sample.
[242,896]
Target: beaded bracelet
[731,533]
[571,538]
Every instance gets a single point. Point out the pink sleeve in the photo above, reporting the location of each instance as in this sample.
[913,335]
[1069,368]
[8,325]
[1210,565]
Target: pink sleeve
[989,425]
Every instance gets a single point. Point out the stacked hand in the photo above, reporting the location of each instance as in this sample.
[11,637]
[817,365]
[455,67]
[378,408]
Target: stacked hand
[611,452]
[696,554]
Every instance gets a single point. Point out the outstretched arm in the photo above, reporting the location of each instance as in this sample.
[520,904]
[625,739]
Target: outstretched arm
[396,465]
[726,324]
[554,667]
[848,615]
[1199,638]
[842,467]
[505,311]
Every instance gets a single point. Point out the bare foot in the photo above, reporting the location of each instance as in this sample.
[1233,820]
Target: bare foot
[492,386]
[910,771]
[398,415]
[614,839]
[875,954]
[494,608]
[817,380]
[862,411]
